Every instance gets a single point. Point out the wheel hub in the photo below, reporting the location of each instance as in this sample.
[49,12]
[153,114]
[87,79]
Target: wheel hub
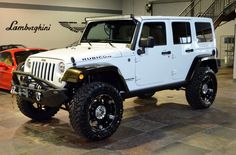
[205,89]
[100,112]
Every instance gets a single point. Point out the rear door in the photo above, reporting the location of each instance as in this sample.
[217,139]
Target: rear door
[205,36]
[183,52]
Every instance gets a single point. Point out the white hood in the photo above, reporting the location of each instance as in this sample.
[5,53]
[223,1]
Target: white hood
[81,53]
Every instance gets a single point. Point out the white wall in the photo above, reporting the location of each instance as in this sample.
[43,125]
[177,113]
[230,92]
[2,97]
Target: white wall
[221,31]
[102,4]
[57,36]
[136,7]
[169,9]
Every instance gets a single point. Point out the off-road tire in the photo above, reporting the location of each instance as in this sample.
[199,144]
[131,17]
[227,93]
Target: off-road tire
[146,95]
[84,110]
[202,89]
[40,113]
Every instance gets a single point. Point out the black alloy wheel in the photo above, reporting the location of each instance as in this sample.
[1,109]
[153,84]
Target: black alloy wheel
[208,90]
[201,90]
[102,112]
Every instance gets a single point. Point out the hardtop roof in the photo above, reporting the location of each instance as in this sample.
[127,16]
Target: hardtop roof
[141,18]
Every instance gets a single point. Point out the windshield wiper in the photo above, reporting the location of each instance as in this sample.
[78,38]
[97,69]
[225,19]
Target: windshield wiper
[109,42]
[89,42]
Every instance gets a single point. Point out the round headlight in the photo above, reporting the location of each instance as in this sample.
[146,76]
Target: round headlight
[28,63]
[61,67]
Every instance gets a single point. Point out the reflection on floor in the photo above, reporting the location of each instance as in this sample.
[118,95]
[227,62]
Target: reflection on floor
[162,125]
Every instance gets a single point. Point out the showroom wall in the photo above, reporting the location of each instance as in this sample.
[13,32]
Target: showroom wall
[49,24]
[136,7]
[222,32]
[234,72]
[169,9]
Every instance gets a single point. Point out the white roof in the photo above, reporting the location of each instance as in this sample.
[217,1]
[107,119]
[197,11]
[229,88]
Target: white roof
[140,18]
[169,17]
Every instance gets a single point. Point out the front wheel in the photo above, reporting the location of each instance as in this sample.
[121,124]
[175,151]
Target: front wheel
[96,110]
[202,89]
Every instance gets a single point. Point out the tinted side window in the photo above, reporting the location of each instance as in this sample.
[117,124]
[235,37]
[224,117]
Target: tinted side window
[156,30]
[181,32]
[203,32]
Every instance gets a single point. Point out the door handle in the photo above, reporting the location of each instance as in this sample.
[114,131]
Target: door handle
[166,53]
[189,50]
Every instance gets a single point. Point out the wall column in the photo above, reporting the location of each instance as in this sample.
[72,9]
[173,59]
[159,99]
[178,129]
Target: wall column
[234,72]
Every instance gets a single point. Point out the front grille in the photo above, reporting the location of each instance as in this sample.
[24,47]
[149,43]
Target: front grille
[43,70]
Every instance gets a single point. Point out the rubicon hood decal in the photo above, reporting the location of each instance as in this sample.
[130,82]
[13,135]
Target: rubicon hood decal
[96,57]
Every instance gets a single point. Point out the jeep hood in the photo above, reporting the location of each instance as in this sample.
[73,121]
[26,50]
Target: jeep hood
[81,53]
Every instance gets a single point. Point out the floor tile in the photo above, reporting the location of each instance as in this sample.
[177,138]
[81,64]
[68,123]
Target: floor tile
[180,149]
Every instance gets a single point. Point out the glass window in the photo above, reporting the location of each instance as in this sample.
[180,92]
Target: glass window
[203,32]
[156,30]
[181,32]
[6,58]
[121,31]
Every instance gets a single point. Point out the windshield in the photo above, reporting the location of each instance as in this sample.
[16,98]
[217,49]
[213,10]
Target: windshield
[119,31]
[23,55]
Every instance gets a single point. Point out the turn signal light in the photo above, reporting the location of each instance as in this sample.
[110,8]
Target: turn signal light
[81,76]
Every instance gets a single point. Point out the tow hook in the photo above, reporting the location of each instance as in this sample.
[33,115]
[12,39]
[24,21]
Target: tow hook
[13,90]
[38,96]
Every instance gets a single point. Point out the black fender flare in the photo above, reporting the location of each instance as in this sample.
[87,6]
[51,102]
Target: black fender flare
[80,73]
[202,60]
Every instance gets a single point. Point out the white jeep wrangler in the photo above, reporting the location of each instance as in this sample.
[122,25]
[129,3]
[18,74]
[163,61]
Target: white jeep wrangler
[117,58]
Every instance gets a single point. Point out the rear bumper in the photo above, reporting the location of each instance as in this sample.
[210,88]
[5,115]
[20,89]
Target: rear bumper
[37,90]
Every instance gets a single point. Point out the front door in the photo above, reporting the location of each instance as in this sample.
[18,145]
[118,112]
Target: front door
[153,67]
[6,71]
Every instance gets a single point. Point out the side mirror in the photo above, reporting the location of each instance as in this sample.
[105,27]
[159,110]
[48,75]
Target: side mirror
[2,64]
[147,42]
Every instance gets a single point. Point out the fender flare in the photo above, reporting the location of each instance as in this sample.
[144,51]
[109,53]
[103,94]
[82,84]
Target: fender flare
[202,60]
[72,74]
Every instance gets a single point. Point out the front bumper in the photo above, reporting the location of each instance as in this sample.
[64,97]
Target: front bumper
[37,90]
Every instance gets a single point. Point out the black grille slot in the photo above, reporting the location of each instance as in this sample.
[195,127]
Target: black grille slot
[53,67]
[43,70]
[49,71]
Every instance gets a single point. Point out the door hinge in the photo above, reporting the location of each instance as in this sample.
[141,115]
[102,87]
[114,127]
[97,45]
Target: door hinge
[173,72]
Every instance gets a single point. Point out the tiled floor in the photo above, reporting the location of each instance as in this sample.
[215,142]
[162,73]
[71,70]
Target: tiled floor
[162,125]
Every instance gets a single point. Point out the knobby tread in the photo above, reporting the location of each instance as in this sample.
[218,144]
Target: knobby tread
[78,110]
[30,111]
[193,88]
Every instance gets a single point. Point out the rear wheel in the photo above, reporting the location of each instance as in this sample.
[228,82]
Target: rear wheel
[201,91]
[35,111]
[96,110]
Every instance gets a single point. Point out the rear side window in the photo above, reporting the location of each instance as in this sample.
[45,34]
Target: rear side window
[203,32]
[181,32]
